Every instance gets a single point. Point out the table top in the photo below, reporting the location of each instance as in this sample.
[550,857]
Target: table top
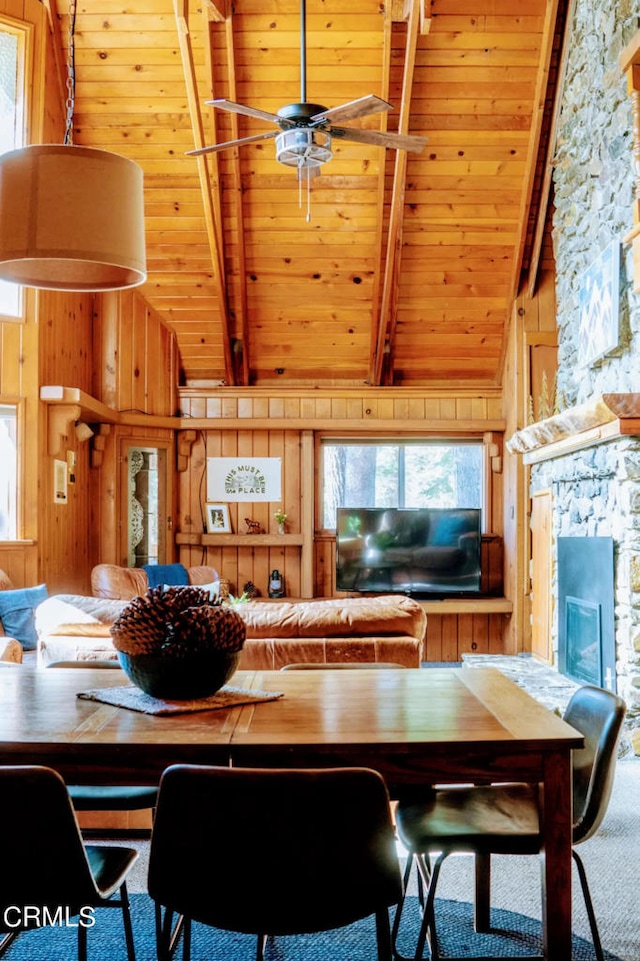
[470,722]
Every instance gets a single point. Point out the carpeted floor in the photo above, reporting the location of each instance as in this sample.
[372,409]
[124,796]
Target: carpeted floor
[518,935]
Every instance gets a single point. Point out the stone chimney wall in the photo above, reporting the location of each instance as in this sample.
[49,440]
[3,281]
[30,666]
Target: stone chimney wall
[596,491]
[593,193]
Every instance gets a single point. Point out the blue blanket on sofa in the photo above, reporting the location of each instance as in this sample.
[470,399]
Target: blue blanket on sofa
[173,574]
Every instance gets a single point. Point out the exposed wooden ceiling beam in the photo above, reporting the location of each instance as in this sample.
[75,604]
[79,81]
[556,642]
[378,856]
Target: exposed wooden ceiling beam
[216,10]
[209,187]
[59,53]
[425,16]
[401,9]
[241,344]
[380,250]
[545,191]
[542,80]
[386,322]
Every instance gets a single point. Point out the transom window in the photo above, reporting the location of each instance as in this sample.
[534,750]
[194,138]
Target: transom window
[412,473]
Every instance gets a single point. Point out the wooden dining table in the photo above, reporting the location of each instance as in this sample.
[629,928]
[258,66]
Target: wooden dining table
[417,727]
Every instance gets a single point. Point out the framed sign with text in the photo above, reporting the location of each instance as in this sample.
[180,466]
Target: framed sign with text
[244,478]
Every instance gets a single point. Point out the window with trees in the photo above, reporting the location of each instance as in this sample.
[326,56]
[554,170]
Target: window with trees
[12,46]
[392,473]
[8,472]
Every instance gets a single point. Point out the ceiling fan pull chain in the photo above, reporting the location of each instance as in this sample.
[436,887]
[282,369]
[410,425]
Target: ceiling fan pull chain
[308,217]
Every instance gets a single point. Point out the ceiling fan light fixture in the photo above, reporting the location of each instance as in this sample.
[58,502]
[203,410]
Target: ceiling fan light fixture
[303,147]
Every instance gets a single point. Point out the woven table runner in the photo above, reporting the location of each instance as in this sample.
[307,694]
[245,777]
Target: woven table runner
[136,700]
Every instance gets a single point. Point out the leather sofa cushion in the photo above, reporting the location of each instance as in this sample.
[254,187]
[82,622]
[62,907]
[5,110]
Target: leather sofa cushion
[77,615]
[270,654]
[370,616]
[124,583]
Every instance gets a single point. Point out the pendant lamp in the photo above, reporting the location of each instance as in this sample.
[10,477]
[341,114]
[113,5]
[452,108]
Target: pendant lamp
[71,217]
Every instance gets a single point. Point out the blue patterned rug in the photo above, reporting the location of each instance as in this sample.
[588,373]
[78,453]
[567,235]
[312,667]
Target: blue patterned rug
[514,935]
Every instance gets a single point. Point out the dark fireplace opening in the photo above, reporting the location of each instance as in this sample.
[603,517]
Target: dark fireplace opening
[586,627]
[583,659]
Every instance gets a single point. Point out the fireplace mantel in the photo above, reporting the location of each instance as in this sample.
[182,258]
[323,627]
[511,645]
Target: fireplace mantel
[602,418]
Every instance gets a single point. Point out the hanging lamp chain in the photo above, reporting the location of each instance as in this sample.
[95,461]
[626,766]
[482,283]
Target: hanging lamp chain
[71,74]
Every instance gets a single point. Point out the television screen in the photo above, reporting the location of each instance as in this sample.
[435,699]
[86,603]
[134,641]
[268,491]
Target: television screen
[422,552]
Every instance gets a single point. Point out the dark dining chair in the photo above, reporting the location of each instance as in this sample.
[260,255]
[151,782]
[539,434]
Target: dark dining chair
[108,797]
[47,866]
[505,818]
[272,852]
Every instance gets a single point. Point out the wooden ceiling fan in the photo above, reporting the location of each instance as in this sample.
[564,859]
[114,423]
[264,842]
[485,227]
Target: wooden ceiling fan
[305,130]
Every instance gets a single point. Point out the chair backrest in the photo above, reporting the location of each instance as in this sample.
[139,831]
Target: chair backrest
[339,665]
[43,858]
[273,851]
[598,715]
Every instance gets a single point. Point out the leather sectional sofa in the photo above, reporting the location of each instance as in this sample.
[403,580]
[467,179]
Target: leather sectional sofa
[387,628]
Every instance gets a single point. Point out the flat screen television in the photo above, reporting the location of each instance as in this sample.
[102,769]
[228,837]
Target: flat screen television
[423,552]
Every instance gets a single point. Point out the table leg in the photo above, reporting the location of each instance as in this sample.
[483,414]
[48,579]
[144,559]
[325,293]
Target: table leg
[556,856]
[482,917]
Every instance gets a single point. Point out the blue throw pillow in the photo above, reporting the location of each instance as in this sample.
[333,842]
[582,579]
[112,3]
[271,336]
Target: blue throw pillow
[17,613]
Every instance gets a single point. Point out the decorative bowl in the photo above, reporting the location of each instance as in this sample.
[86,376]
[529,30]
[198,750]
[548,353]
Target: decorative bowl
[185,678]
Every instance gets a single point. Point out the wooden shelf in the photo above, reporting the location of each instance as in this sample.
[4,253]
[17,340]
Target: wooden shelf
[240,540]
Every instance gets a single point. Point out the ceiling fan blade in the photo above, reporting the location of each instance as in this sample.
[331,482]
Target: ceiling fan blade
[213,148]
[399,141]
[354,109]
[245,111]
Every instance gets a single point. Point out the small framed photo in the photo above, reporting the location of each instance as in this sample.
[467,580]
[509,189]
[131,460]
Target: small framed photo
[218,521]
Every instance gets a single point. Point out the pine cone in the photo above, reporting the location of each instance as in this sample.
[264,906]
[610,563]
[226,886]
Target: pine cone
[177,621]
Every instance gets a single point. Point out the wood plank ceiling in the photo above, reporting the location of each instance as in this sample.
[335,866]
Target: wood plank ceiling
[406,272]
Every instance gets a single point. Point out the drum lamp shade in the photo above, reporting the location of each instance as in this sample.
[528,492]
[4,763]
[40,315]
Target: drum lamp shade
[71,218]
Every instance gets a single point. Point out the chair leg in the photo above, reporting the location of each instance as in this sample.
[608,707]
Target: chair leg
[398,914]
[383,935]
[595,934]
[126,920]
[186,939]
[82,943]
[482,910]
[167,934]
[428,926]
[6,940]
[260,946]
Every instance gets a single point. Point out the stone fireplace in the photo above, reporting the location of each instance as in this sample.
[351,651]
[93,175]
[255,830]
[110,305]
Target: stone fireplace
[588,457]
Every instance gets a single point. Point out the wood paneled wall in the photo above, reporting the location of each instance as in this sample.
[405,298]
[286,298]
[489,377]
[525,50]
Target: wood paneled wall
[530,350]
[399,409]
[135,356]
[236,563]
[449,636]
